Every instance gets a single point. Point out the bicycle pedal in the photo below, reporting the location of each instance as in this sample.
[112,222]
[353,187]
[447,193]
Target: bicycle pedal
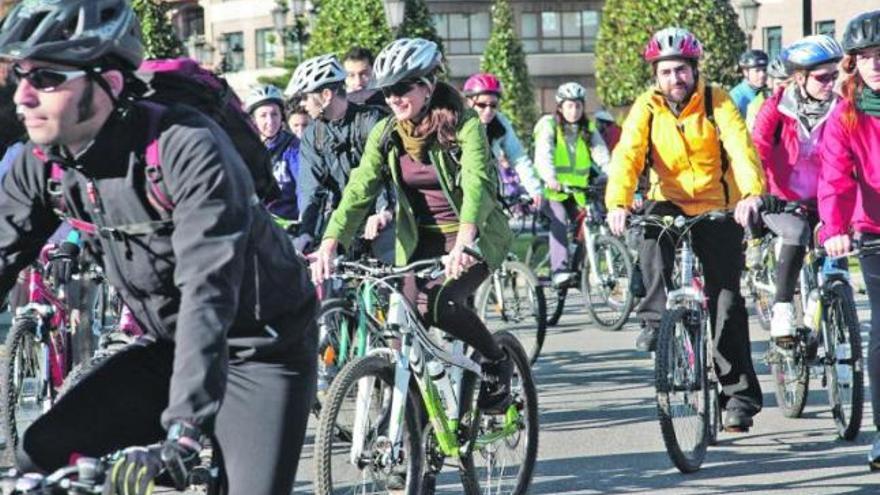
[736,429]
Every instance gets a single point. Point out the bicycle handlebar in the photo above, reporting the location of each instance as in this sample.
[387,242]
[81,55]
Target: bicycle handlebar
[428,268]
[858,248]
[677,221]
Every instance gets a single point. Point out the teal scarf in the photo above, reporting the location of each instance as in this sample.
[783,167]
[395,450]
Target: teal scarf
[869,102]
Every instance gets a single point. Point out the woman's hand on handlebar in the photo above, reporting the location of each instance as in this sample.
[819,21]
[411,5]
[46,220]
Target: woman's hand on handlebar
[321,260]
[616,219]
[458,261]
[747,209]
[838,245]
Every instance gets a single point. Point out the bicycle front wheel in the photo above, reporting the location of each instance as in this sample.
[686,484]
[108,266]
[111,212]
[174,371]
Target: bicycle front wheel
[606,292]
[682,388]
[844,365]
[353,451]
[519,307]
[503,448]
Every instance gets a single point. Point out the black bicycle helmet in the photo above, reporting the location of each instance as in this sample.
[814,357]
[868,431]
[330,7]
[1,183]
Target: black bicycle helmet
[80,33]
[862,32]
[753,58]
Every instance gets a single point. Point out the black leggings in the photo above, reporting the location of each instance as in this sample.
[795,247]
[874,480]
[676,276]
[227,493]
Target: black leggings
[260,427]
[871,273]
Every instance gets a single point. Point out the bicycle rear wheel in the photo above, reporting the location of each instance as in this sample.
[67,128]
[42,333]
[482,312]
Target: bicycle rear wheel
[503,448]
[844,365]
[608,298]
[682,388]
[362,392]
[519,308]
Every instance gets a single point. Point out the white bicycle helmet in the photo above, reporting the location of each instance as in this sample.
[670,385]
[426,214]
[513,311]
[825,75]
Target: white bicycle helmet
[406,59]
[314,75]
[570,91]
[263,94]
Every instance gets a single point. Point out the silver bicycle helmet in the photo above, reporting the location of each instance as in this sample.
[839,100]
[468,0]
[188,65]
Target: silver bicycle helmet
[777,69]
[314,75]
[261,95]
[406,59]
[570,91]
[80,33]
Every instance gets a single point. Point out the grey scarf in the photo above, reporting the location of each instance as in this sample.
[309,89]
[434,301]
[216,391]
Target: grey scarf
[811,110]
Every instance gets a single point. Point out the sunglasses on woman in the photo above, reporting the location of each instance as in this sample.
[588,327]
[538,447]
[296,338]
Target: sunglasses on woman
[43,79]
[399,89]
[825,78]
[483,106]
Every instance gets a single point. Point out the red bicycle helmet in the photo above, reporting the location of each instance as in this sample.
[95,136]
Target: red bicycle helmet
[672,43]
[483,83]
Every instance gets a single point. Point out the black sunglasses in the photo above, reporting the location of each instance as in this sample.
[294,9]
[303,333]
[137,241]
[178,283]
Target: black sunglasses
[826,78]
[483,106]
[399,89]
[46,80]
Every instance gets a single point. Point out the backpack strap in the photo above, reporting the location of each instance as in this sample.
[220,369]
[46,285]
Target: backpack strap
[157,194]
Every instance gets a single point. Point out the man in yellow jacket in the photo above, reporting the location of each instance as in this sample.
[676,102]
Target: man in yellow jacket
[700,156]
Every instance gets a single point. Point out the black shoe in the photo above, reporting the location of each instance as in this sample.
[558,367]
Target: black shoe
[495,387]
[874,455]
[737,421]
[647,339]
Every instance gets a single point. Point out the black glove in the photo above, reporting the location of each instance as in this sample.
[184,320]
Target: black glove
[64,262]
[772,204]
[137,468]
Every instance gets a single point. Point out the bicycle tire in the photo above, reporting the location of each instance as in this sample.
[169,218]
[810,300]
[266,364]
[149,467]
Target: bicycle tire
[21,344]
[557,306]
[475,477]
[515,274]
[382,370]
[680,370]
[766,275]
[597,298]
[791,380]
[841,314]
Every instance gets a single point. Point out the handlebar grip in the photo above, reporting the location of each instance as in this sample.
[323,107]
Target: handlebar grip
[474,254]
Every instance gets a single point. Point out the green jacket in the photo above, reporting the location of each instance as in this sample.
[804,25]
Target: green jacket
[470,183]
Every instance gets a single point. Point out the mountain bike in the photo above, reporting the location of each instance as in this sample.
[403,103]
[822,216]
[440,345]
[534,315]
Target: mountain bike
[603,264]
[512,300]
[688,406]
[372,436]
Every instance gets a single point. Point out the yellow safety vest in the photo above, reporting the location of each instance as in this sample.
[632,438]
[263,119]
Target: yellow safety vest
[568,174]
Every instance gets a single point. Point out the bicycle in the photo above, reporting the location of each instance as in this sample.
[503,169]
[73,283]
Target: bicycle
[372,435]
[603,263]
[688,406]
[760,283]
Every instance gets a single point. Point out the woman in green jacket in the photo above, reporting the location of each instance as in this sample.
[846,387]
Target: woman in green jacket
[436,154]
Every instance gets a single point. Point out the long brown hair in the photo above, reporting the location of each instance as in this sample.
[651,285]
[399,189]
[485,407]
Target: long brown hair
[444,110]
[583,123]
[851,87]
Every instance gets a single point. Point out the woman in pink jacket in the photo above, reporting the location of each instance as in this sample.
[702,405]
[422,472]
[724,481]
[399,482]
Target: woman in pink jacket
[788,130]
[849,184]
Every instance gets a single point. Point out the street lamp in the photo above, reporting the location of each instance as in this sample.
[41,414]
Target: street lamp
[748,14]
[395,10]
[223,51]
[279,21]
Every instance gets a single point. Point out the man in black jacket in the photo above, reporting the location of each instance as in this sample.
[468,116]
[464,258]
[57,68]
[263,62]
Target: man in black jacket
[228,309]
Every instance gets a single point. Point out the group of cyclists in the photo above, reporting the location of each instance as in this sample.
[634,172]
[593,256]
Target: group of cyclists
[386,151]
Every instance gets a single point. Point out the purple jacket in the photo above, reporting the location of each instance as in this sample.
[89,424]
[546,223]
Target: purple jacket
[849,183]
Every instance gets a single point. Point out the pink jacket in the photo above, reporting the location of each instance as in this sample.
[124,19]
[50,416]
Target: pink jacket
[849,183]
[788,151]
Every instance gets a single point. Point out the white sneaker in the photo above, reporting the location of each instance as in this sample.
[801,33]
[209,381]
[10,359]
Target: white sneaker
[783,323]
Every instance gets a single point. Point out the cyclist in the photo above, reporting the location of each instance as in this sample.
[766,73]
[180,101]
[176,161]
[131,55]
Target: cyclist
[608,128]
[569,151]
[297,118]
[788,132]
[753,64]
[227,306]
[331,147]
[668,128]
[777,75]
[483,92]
[265,105]
[12,131]
[848,184]
[438,214]
[358,65]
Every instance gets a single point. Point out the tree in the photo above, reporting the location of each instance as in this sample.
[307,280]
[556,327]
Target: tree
[342,24]
[160,41]
[417,23]
[504,56]
[622,73]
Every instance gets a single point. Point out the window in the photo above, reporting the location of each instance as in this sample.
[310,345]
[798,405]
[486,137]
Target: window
[772,41]
[463,34]
[234,61]
[559,31]
[825,27]
[266,43]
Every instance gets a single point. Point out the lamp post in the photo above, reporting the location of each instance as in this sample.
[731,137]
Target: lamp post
[395,10]
[748,15]
[279,21]
[223,51]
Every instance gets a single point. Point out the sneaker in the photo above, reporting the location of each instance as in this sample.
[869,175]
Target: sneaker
[753,254]
[782,324]
[495,386]
[562,278]
[874,454]
[737,421]
[647,339]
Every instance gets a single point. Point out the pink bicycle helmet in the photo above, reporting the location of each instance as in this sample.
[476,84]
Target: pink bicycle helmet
[483,83]
[673,43]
